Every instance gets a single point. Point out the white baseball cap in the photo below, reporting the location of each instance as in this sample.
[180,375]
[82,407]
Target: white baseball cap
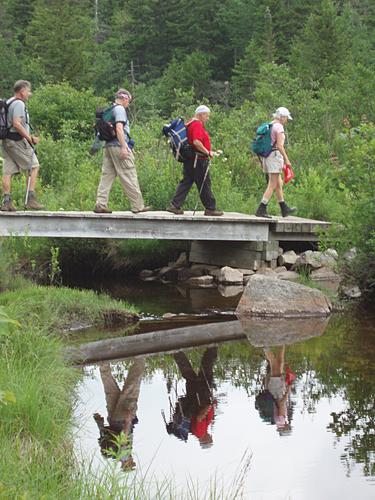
[282,112]
[202,109]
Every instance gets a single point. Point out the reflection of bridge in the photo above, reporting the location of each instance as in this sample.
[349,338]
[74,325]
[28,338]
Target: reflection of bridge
[159,225]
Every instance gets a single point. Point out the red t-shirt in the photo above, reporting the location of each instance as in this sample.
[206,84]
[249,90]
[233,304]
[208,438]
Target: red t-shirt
[196,130]
[200,427]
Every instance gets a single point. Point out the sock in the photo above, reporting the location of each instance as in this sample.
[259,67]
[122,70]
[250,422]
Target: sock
[282,202]
[264,201]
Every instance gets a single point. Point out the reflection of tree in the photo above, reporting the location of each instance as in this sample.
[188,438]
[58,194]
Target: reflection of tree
[340,363]
[358,424]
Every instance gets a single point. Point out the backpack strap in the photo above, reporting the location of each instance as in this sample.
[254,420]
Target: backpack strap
[15,136]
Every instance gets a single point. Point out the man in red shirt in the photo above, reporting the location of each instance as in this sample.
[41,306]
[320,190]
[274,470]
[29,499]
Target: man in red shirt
[196,169]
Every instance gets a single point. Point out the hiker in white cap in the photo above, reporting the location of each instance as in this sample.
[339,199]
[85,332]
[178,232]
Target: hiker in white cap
[196,169]
[274,163]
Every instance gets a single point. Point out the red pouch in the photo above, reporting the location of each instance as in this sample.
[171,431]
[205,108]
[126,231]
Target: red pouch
[288,173]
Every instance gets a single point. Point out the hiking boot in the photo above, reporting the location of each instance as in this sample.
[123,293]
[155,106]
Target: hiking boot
[32,203]
[101,209]
[174,210]
[262,211]
[213,213]
[285,210]
[7,205]
[144,209]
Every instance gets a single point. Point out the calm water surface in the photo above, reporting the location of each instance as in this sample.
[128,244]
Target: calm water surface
[304,411]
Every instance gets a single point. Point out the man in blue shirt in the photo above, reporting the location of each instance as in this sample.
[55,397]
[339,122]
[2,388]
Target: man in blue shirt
[119,161]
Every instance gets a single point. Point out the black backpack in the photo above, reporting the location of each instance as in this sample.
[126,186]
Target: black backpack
[105,127]
[4,129]
[3,119]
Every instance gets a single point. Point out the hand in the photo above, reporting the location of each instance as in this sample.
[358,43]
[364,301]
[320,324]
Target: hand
[124,153]
[35,140]
[211,154]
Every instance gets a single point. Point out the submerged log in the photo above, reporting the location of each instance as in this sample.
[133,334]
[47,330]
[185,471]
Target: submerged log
[155,342]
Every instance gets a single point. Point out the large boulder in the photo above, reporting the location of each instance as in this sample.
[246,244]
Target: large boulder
[230,276]
[272,297]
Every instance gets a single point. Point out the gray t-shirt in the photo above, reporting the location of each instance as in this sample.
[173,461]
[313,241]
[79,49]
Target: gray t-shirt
[17,109]
[119,114]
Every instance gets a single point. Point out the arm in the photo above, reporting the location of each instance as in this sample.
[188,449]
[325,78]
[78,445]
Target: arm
[199,146]
[280,147]
[121,139]
[17,124]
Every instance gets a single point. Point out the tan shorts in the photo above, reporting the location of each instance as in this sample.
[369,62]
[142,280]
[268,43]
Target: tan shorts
[274,163]
[18,156]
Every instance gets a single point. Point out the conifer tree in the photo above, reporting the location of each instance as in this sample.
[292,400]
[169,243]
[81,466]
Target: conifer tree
[59,42]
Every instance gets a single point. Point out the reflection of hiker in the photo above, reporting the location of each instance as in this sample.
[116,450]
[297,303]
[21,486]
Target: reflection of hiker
[121,409]
[274,163]
[18,149]
[196,169]
[194,412]
[119,161]
[272,402]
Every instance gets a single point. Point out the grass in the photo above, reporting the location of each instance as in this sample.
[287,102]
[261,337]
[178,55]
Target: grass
[57,308]
[37,394]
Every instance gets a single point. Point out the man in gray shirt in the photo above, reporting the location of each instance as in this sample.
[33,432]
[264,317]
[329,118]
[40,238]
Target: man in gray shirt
[119,161]
[18,149]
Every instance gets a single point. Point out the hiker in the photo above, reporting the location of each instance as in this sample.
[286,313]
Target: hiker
[119,160]
[196,169]
[274,163]
[198,405]
[116,439]
[18,148]
[273,402]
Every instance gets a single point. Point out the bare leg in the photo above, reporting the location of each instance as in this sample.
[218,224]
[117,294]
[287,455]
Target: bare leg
[33,178]
[273,182]
[7,181]
[279,190]
[111,389]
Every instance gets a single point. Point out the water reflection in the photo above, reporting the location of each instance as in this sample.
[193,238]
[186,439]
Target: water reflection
[116,438]
[283,379]
[194,412]
[273,402]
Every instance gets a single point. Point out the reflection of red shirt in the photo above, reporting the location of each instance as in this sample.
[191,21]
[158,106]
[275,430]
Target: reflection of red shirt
[196,131]
[199,428]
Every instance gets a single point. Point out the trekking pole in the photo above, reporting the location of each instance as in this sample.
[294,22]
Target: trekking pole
[29,175]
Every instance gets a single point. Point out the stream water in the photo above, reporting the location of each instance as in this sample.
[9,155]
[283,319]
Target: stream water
[300,410]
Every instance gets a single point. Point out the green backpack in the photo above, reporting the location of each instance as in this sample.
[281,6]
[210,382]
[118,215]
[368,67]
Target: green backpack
[262,144]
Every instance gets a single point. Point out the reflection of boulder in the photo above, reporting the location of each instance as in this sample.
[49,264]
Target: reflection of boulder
[271,297]
[265,332]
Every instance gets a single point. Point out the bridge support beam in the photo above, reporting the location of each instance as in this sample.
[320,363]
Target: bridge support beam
[245,255]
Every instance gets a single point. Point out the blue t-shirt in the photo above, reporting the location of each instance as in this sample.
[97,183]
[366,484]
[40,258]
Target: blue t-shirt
[120,116]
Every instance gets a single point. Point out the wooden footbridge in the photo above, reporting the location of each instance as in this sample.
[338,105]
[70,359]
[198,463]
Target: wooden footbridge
[235,239]
[159,225]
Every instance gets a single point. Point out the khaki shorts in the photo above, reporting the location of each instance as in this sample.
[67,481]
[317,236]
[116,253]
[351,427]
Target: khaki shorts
[18,156]
[274,163]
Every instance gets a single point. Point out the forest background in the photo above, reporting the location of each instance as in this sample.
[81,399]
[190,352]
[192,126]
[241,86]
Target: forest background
[242,57]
